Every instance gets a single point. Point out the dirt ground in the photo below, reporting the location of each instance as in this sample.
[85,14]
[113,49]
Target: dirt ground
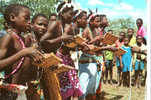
[114,92]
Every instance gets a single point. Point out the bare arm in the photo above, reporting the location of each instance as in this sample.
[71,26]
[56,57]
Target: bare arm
[121,64]
[49,34]
[138,50]
[97,38]
[110,48]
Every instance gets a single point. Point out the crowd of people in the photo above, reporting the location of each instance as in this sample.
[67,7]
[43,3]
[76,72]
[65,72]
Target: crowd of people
[24,41]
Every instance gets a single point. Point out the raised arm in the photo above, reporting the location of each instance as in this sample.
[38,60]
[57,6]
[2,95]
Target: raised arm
[50,32]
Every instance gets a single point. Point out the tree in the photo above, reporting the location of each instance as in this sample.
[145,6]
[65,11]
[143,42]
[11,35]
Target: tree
[121,24]
[36,6]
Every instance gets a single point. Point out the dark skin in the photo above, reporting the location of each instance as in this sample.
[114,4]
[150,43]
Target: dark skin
[109,69]
[130,33]
[104,23]
[11,50]
[134,49]
[139,23]
[81,22]
[57,32]
[53,18]
[92,39]
[121,39]
[139,40]
[54,37]
[121,36]
[39,27]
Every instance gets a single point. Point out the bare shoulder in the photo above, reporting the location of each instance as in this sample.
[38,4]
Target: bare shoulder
[6,40]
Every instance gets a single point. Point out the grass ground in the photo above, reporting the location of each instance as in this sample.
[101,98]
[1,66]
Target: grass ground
[113,92]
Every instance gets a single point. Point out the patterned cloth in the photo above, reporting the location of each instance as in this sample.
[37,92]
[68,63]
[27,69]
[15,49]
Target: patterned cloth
[108,55]
[69,81]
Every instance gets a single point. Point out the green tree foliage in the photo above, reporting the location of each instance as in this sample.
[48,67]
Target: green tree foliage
[121,24]
[36,6]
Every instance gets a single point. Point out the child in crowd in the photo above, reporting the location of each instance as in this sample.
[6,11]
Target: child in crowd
[119,43]
[141,30]
[139,61]
[17,62]
[126,61]
[39,28]
[109,63]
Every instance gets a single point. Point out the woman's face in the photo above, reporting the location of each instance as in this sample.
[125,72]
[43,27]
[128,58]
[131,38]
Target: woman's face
[68,16]
[96,22]
[83,21]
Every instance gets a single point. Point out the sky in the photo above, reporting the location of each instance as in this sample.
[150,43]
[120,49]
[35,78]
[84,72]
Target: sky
[115,9]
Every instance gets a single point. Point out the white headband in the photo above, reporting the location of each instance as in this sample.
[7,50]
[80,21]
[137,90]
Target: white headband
[64,6]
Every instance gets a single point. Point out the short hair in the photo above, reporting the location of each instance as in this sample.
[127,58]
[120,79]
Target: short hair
[110,30]
[140,20]
[38,15]
[13,8]
[131,29]
[122,32]
[53,14]
[102,16]
[139,36]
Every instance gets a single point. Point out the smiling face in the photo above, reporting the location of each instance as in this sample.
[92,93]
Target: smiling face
[40,25]
[22,20]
